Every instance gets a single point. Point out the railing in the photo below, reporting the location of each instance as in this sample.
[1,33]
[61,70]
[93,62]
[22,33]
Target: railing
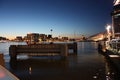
[115,45]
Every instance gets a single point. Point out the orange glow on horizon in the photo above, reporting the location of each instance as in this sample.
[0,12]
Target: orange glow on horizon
[10,37]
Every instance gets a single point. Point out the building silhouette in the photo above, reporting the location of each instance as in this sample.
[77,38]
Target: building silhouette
[33,38]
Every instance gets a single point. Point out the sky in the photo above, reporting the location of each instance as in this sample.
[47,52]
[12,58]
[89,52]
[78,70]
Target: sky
[64,17]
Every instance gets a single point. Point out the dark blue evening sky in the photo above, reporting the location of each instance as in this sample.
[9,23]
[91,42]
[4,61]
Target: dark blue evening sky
[65,17]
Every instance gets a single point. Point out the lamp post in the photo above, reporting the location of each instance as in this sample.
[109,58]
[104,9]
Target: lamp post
[51,32]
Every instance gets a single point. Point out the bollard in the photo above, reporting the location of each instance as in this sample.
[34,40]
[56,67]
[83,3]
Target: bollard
[12,52]
[75,47]
[64,50]
[2,62]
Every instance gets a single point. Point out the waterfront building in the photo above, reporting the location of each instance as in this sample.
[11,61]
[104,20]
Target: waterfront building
[25,38]
[42,37]
[116,19]
[49,36]
[64,38]
[2,38]
[33,38]
[19,38]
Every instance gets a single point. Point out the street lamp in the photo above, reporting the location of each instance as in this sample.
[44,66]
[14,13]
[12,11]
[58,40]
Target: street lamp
[108,29]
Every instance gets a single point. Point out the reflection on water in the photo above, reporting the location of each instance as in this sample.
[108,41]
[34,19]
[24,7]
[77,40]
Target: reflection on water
[35,69]
[88,64]
[112,72]
[4,48]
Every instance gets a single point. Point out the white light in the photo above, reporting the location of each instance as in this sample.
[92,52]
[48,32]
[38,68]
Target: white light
[114,56]
[108,27]
[116,2]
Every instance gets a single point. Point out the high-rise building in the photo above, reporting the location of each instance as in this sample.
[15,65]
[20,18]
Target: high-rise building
[116,19]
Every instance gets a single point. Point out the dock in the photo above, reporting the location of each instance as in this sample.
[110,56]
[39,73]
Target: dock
[6,75]
[42,49]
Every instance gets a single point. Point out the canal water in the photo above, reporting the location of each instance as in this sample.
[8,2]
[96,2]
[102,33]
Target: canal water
[88,64]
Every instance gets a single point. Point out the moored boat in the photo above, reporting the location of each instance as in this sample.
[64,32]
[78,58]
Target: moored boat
[113,46]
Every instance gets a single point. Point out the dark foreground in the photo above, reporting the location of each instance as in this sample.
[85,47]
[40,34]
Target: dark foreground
[88,64]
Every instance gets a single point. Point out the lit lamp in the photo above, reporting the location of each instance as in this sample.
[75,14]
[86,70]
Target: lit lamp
[108,32]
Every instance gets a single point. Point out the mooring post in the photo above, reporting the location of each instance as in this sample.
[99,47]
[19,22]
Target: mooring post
[2,62]
[64,50]
[12,52]
[75,47]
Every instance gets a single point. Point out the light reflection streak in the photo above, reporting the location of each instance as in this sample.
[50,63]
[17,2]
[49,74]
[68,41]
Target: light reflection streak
[108,72]
[30,70]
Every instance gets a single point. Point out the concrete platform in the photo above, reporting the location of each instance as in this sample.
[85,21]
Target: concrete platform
[6,75]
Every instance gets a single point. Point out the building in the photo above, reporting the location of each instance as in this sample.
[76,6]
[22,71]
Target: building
[116,19]
[42,37]
[3,38]
[64,38]
[33,38]
[19,38]
[49,36]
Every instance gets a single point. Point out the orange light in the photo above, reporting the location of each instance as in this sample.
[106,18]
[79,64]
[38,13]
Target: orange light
[2,75]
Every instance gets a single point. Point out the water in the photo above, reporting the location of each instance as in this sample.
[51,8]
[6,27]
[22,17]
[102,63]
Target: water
[4,48]
[88,64]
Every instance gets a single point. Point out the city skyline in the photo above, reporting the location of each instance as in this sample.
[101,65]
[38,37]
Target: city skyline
[64,17]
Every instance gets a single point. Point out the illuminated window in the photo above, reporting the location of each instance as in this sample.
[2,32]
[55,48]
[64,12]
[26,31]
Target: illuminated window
[117,15]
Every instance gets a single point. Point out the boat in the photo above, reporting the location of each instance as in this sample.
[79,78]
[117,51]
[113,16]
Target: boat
[113,45]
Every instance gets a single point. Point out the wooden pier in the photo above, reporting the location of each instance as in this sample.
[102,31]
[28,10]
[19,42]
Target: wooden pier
[42,49]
